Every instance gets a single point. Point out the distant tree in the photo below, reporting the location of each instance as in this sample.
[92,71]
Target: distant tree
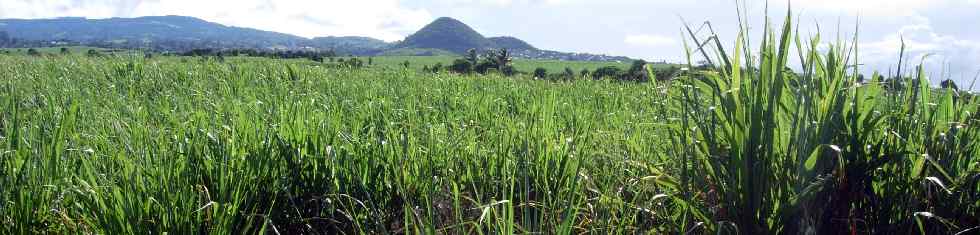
[92,53]
[437,68]
[148,55]
[540,73]
[500,58]
[569,74]
[33,52]
[472,57]
[371,61]
[200,52]
[584,73]
[895,84]
[483,67]
[64,51]
[949,84]
[355,63]
[316,57]
[664,73]
[461,66]
[637,72]
[637,66]
[608,71]
[508,70]
[406,64]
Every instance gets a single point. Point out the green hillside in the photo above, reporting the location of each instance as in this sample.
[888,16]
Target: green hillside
[162,32]
[351,45]
[511,43]
[447,34]
[182,34]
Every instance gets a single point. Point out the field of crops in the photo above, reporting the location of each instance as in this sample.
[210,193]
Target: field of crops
[134,145]
[523,65]
[57,50]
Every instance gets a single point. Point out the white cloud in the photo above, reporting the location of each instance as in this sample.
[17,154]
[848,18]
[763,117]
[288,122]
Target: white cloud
[384,19]
[867,7]
[960,56]
[501,3]
[877,7]
[650,40]
[55,8]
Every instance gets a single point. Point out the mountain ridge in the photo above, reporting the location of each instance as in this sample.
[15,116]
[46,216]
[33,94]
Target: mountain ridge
[511,43]
[447,34]
[146,31]
[182,33]
[351,44]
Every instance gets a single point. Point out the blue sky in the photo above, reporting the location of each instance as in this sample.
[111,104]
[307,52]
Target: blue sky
[648,29]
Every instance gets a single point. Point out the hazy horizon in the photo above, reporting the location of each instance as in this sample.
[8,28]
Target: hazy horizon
[648,30]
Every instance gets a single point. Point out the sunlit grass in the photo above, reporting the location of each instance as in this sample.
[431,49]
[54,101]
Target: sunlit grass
[753,146]
[136,146]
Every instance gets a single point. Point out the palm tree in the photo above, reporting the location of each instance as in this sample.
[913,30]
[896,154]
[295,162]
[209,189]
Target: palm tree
[472,57]
[502,58]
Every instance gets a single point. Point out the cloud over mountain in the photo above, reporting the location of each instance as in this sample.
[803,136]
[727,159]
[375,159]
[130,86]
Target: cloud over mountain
[384,19]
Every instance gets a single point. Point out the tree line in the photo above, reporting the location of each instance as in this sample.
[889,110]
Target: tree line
[315,55]
[6,40]
[500,61]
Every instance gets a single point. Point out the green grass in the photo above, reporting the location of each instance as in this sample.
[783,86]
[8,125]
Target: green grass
[80,50]
[134,146]
[178,145]
[765,150]
[387,61]
[523,65]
